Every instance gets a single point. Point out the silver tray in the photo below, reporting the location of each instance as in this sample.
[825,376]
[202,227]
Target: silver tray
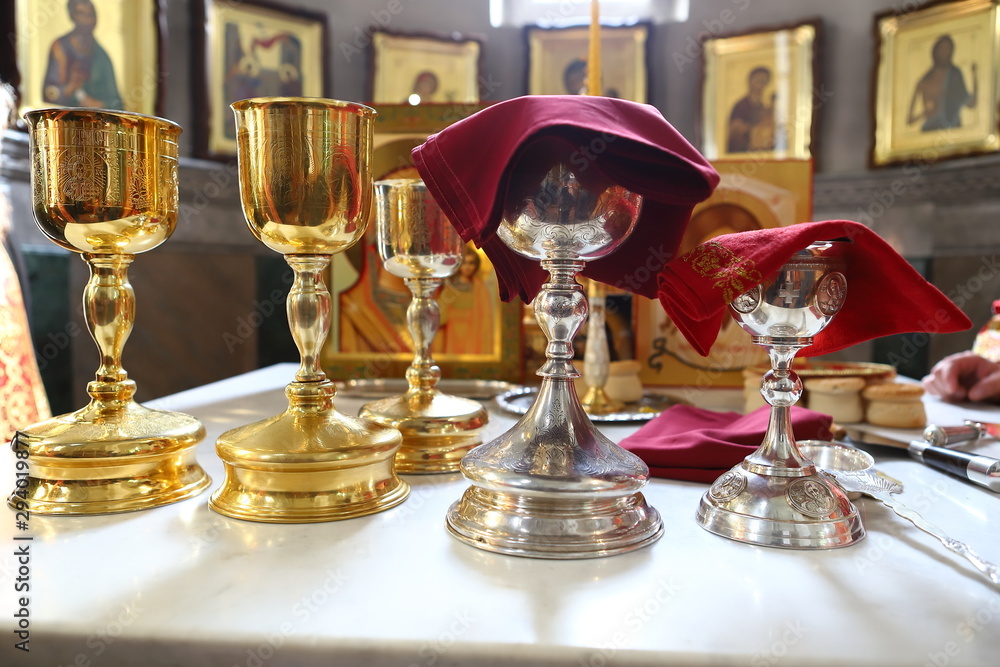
[378,387]
[518,401]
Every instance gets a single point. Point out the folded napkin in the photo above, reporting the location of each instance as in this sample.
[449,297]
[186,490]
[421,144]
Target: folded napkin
[885,295]
[470,167]
[698,445]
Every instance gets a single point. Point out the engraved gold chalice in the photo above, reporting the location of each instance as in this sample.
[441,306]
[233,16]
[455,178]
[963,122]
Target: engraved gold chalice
[777,497]
[553,486]
[306,191]
[104,184]
[418,244]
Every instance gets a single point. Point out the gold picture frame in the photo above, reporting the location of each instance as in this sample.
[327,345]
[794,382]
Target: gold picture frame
[252,48]
[752,194]
[123,70]
[422,68]
[369,336]
[557,60]
[936,83]
[760,93]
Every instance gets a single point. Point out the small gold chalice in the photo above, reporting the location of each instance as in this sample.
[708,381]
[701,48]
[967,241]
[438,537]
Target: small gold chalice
[104,184]
[306,190]
[417,243]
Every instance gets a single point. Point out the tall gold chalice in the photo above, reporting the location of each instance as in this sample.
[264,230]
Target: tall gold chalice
[307,192]
[417,243]
[104,184]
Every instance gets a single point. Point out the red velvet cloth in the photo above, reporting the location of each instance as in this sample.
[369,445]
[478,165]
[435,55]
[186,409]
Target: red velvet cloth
[885,295]
[470,166]
[698,445]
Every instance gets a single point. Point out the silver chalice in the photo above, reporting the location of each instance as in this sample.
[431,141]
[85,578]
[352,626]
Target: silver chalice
[776,497]
[553,486]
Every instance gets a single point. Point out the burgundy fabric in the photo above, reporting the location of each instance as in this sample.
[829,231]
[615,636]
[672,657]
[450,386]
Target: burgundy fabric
[885,295]
[470,167]
[698,445]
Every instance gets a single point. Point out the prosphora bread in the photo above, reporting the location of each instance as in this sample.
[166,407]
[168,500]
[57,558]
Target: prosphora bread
[896,405]
[838,397]
[623,381]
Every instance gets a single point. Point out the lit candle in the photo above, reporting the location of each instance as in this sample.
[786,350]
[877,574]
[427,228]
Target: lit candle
[594,61]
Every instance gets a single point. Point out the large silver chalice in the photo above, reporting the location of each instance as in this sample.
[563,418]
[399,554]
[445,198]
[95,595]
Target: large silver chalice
[553,486]
[776,497]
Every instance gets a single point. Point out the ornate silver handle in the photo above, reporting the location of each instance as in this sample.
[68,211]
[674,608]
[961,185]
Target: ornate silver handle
[991,571]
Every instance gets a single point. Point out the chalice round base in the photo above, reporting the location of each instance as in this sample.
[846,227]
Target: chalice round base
[437,429]
[556,527]
[798,509]
[101,461]
[553,486]
[309,464]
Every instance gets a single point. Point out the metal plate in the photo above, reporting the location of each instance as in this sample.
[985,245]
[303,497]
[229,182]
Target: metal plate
[520,399]
[379,387]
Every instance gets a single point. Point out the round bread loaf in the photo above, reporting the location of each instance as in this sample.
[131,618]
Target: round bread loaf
[838,397]
[896,405]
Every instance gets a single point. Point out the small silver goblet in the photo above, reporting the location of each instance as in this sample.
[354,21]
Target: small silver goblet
[553,486]
[776,497]
[418,244]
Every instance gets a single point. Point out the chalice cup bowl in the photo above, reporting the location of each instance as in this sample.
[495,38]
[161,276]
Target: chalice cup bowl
[104,184]
[553,486]
[306,191]
[418,244]
[776,497]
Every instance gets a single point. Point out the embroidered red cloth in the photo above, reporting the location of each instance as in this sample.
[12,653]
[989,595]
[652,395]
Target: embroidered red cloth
[22,396]
[885,295]
[698,445]
[470,166]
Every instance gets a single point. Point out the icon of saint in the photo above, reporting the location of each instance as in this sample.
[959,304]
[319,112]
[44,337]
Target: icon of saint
[79,72]
[751,121]
[942,91]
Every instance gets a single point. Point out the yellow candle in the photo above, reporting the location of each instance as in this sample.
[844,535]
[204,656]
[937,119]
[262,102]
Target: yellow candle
[594,61]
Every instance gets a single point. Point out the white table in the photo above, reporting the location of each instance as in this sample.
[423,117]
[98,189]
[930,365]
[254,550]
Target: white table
[181,585]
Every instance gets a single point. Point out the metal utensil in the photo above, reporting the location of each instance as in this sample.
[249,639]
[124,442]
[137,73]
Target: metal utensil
[870,484]
[976,468]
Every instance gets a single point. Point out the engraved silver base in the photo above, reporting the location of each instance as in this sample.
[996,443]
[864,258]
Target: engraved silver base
[554,487]
[802,508]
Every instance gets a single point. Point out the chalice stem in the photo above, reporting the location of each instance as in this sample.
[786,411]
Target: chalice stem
[424,317]
[109,308]
[781,388]
[308,309]
[560,309]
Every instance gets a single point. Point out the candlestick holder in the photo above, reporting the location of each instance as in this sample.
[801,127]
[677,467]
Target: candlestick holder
[776,497]
[306,191]
[418,244]
[597,356]
[104,184]
[553,486]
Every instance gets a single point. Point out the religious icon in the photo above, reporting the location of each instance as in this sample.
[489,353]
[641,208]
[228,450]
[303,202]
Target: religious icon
[936,84]
[557,61]
[760,92]
[751,121]
[261,62]
[79,71]
[467,305]
[417,69]
[253,49]
[942,91]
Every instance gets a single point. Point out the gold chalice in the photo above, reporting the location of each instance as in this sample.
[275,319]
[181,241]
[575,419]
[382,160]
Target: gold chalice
[418,244]
[104,184]
[307,191]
